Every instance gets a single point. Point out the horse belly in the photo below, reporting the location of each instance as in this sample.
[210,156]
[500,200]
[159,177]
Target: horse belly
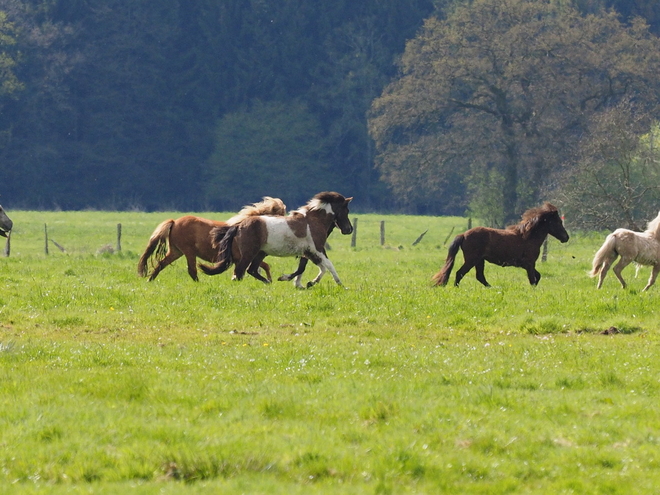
[283,242]
[648,252]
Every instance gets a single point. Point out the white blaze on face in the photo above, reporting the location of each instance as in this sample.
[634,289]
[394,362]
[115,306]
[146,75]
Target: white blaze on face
[282,241]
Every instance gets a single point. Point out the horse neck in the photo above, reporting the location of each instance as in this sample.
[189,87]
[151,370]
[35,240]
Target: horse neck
[538,236]
[322,218]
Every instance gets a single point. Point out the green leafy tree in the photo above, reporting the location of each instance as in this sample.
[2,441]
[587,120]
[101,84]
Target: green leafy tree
[497,95]
[270,149]
[616,179]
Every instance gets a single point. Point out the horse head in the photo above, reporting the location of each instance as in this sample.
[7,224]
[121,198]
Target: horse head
[5,223]
[543,219]
[337,205]
[556,226]
[341,211]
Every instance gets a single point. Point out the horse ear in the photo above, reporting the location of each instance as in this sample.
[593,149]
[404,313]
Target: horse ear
[348,200]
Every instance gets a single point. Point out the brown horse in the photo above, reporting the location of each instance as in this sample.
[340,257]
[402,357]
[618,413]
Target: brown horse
[189,236]
[518,245]
[302,233]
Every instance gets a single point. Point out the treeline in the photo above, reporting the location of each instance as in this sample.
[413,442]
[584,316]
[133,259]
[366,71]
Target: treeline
[205,104]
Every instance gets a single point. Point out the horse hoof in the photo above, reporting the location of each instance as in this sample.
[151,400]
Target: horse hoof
[310,284]
[283,278]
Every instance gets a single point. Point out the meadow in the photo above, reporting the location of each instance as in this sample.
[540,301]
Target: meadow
[112,384]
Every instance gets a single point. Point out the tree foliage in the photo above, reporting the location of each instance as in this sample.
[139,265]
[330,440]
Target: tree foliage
[269,149]
[616,179]
[121,104]
[498,94]
[123,98]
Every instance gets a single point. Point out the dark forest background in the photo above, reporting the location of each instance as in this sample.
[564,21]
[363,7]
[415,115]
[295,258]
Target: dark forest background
[205,104]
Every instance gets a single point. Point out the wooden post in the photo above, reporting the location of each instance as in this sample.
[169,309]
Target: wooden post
[449,235]
[419,239]
[118,237]
[46,239]
[354,236]
[544,256]
[382,232]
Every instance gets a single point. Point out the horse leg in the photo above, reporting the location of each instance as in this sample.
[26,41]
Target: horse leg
[331,268]
[170,257]
[266,268]
[603,271]
[623,262]
[654,274]
[533,275]
[191,259]
[302,264]
[317,279]
[242,265]
[462,271]
[479,268]
[253,269]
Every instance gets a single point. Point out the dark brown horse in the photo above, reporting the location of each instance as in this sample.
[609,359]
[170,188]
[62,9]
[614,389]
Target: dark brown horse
[302,233]
[190,236]
[517,245]
[5,223]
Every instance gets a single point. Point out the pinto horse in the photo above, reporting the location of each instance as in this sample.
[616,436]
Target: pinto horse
[189,236]
[302,233]
[642,248]
[517,245]
[5,223]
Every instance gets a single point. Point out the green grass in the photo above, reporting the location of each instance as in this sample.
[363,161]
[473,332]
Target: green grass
[109,383]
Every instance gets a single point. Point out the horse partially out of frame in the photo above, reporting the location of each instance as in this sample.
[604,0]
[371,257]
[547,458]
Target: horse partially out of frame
[190,236]
[302,233]
[5,223]
[642,248]
[518,245]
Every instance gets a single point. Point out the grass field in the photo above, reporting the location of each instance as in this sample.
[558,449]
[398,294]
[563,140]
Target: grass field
[112,384]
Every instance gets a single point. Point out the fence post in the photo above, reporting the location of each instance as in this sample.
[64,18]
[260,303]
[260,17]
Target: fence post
[46,239]
[469,223]
[544,256]
[419,239]
[354,236]
[118,237]
[382,232]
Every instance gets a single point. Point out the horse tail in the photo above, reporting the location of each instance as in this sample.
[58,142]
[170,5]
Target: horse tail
[157,246]
[224,246]
[442,277]
[607,252]
[217,234]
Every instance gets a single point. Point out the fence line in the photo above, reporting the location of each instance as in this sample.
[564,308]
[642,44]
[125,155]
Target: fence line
[353,238]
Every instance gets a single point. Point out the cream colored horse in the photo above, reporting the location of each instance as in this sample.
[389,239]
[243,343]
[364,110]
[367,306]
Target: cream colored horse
[642,248]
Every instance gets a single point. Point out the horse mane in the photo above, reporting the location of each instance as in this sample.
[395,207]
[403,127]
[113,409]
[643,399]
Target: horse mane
[653,227]
[532,218]
[321,199]
[269,206]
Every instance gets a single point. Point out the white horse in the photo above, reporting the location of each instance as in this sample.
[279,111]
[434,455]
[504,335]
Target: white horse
[642,248]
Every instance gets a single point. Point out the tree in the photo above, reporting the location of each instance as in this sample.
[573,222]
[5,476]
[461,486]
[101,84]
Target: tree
[269,149]
[616,179]
[498,94]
